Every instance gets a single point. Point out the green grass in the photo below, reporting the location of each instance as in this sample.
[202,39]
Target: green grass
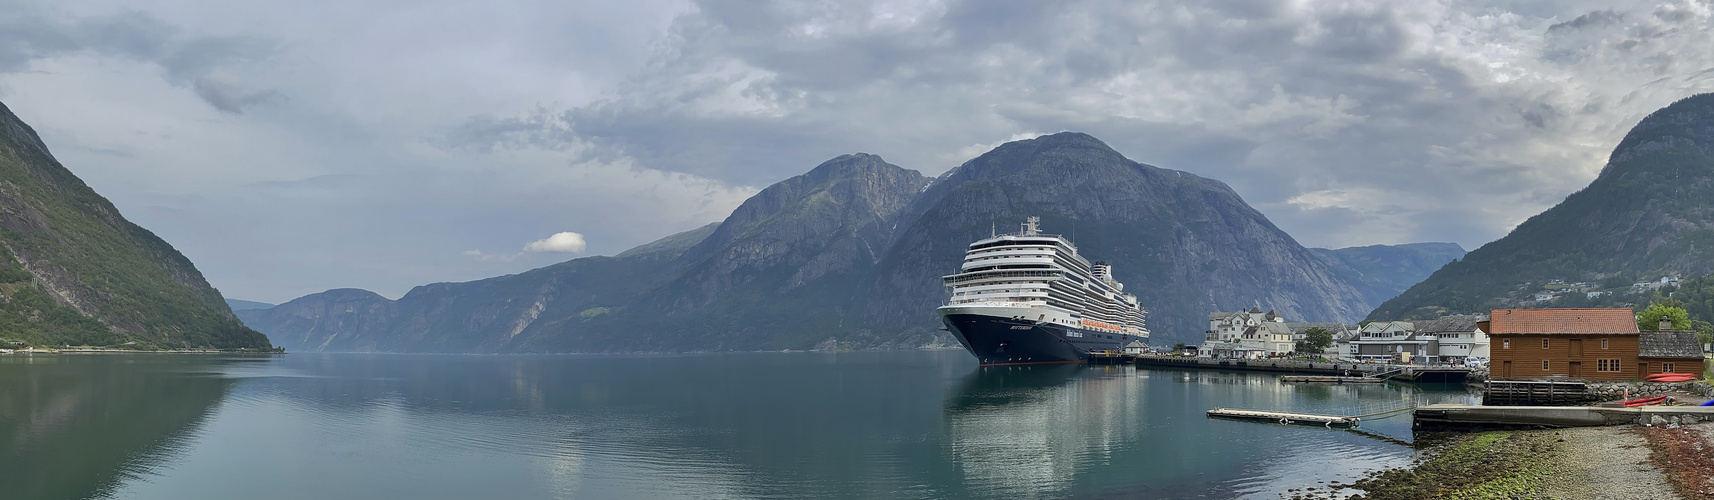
[1495,464]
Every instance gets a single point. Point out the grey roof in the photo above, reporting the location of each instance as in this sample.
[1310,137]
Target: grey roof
[1136,343]
[1300,326]
[1458,323]
[1668,344]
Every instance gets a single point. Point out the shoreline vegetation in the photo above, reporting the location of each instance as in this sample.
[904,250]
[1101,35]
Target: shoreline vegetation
[116,350]
[1627,461]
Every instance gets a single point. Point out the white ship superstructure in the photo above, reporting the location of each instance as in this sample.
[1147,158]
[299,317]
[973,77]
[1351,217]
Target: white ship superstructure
[1030,281]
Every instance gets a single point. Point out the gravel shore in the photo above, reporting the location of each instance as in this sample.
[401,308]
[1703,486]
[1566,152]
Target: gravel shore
[1605,463]
[1618,462]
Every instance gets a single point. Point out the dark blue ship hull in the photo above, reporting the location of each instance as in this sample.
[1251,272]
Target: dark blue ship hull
[1003,341]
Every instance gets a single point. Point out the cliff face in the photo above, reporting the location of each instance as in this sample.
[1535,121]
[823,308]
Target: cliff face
[1649,213]
[77,272]
[850,255]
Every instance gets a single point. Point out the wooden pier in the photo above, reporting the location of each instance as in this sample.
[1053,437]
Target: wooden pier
[1535,392]
[1283,417]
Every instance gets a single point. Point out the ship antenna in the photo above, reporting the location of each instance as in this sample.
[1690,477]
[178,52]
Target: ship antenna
[993,229]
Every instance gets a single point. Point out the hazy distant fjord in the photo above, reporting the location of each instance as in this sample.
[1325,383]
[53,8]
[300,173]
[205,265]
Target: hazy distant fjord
[908,424]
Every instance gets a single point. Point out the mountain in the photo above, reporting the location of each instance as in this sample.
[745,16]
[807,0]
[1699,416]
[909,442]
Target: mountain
[1382,272]
[74,271]
[478,316]
[240,305]
[1185,245]
[850,255]
[1649,213]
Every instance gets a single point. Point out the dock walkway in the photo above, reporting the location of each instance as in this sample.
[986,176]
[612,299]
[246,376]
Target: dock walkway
[1414,373]
[1455,416]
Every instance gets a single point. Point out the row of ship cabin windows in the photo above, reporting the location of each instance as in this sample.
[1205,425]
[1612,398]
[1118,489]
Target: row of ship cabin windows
[1507,343]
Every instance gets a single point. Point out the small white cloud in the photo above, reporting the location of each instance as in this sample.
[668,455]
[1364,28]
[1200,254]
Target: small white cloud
[561,242]
[567,242]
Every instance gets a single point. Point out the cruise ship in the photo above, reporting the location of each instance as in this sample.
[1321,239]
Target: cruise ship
[1028,297]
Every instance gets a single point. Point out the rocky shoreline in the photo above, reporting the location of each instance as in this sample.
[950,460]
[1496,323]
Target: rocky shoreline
[1618,462]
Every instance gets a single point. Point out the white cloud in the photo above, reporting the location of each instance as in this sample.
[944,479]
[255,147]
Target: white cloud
[563,242]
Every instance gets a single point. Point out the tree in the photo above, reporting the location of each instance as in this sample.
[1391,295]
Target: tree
[1315,340]
[1650,318]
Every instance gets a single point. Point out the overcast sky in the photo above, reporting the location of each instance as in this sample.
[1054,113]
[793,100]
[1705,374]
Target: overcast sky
[293,147]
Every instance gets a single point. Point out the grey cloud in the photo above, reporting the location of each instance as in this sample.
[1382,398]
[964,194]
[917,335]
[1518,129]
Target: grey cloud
[228,97]
[1598,19]
[189,61]
[1432,121]
[1347,123]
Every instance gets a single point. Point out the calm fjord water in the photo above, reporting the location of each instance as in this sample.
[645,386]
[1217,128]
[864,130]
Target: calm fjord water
[924,424]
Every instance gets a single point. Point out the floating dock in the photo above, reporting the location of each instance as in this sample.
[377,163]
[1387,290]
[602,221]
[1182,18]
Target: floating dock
[1328,379]
[1284,417]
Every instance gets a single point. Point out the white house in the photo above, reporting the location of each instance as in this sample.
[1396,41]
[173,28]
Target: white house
[1229,326]
[1455,337]
[1136,347]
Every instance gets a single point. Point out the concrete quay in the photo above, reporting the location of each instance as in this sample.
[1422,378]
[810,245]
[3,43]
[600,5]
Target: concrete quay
[1416,373]
[1455,416]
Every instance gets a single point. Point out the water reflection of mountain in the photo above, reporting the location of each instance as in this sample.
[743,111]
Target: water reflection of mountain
[1032,430]
[75,426]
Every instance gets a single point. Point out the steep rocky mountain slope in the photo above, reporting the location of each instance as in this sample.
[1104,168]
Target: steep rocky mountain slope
[74,271]
[1185,245]
[1382,272]
[477,316]
[849,255]
[1649,213]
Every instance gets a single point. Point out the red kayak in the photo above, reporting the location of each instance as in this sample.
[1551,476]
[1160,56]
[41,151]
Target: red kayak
[1670,377]
[1644,401]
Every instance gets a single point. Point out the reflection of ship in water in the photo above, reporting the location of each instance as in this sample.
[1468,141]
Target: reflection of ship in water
[1029,430]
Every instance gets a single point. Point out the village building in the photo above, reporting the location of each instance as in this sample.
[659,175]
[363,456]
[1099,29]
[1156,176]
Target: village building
[1230,326]
[1226,334]
[1668,351]
[1387,340]
[1593,344]
[1270,338]
[1136,347]
[1454,338]
[1256,334]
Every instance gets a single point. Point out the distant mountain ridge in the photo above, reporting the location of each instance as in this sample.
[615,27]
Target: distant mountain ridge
[73,271]
[1649,213]
[850,255]
[239,305]
[1382,272]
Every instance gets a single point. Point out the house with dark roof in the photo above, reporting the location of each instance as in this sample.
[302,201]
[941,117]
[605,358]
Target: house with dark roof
[1668,351]
[1455,337]
[1592,344]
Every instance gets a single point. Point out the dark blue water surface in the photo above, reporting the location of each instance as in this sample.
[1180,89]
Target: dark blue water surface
[911,424]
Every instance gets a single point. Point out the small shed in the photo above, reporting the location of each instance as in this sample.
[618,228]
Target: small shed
[1668,351]
[1136,347]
